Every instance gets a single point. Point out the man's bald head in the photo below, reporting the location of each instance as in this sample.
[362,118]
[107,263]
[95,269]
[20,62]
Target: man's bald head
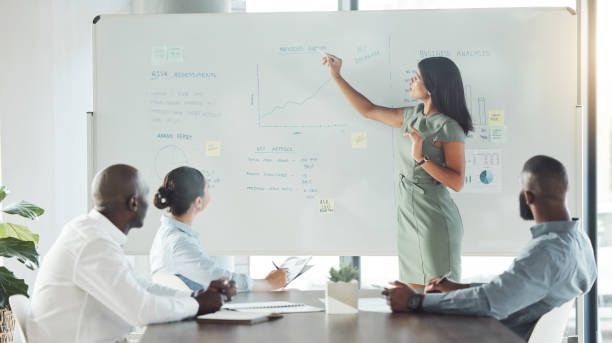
[118,191]
[545,177]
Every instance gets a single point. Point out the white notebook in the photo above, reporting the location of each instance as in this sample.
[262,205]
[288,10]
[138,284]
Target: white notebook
[234,317]
[272,307]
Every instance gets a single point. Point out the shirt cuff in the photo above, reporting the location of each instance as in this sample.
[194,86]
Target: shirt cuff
[194,306]
[432,301]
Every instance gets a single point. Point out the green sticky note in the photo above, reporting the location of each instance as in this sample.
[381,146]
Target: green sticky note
[498,134]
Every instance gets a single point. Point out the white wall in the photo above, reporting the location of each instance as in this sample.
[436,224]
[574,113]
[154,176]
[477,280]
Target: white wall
[45,90]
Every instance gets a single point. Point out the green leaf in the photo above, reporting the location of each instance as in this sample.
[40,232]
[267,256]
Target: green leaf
[346,273]
[3,192]
[24,251]
[24,209]
[18,231]
[10,285]
[333,275]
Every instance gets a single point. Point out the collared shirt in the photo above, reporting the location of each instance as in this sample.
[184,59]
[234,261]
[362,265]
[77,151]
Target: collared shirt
[556,266]
[87,291]
[177,250]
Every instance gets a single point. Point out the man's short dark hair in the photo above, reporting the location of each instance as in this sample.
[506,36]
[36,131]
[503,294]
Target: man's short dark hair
[546,177]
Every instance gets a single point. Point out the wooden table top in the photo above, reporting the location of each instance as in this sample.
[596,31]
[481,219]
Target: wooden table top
[321,327]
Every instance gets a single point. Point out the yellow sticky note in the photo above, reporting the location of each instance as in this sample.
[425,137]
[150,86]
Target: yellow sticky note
[213,148]
[496,118]
[359,140]
[326,206]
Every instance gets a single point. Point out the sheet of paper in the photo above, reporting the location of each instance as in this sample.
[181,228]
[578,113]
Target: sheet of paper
[326,206]
[483,171]
[213,148]
[296,266]
[359,140]
[498,134]
[371,305]
[496,117]
[174,54]
[158,55]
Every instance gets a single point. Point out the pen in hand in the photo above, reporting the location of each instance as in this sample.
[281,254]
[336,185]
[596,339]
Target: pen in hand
[225,287]
[443,278]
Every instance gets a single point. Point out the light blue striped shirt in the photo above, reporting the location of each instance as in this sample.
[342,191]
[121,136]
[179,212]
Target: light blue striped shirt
[177,250]
[556,266]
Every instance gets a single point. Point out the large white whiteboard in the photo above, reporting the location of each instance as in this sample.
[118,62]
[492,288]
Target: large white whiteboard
[168,86]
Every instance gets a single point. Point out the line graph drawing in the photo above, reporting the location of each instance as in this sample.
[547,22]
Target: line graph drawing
[297,103]
[287,114]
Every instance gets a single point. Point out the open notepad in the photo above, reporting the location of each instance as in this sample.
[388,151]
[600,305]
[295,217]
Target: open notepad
[271,307]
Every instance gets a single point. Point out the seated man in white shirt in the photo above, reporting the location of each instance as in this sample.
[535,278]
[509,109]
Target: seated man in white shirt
[86,290]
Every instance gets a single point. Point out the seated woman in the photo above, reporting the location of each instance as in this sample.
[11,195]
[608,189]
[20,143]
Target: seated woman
[177,250]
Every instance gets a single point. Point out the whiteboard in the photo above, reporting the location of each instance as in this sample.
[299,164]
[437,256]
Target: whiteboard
[293,169]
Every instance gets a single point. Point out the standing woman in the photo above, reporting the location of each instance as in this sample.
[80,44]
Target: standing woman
[176,249]
[431,158]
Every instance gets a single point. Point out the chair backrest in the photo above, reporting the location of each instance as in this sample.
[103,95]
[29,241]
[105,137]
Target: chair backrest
[169,280]
[550,327]
[20,306]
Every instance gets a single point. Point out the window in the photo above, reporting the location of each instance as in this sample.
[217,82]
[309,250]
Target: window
[315,278]
[427,4]
[604,168]
[291,5]
[379,270]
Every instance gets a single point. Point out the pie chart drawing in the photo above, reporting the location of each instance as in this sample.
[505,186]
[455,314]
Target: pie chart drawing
[168,158]
[486,177]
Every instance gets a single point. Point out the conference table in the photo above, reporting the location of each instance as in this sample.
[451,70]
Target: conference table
[321,327]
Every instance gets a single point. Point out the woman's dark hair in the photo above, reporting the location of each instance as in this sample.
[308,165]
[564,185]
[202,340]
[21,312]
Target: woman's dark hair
[181,186]
[443,80]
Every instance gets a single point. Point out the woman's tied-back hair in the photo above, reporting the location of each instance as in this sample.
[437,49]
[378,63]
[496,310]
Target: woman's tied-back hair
[180,188]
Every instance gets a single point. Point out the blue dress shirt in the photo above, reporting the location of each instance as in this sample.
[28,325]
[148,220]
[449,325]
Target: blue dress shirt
[556,266]
[177,250]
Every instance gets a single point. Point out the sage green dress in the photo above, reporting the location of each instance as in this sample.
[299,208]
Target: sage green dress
[430,228]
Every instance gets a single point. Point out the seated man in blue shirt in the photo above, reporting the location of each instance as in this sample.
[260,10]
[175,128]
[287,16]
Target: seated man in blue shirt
[553,268]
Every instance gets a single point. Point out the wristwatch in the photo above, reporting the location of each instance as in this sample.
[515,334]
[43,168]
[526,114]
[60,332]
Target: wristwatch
[425,159]
[415,303]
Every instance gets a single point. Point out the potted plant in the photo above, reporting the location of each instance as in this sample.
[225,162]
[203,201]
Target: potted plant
[19,242]
[341,294]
